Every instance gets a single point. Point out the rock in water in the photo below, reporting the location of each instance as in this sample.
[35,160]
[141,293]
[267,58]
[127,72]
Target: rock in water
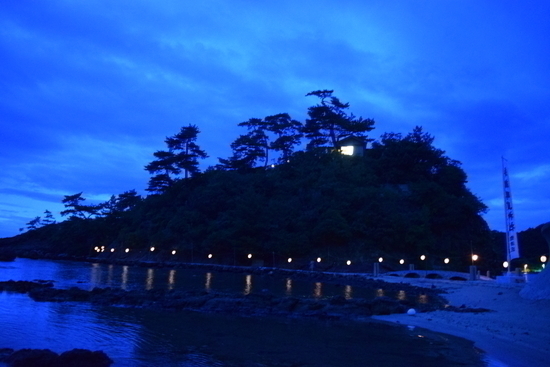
[411,312]
[84,358]
[47,358]
[31,357]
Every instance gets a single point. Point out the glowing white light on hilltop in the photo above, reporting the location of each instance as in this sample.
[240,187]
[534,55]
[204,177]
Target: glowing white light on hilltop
[112,250]
[446,261]
[289,260]
[318,259]
[505,264]
[422,257]
[348,262]
[380,259]
[543,259]
[475,257]
[249,256]
[152,248]
[173,252]
[347,150]
[272,166]
[209,256]
[402,261]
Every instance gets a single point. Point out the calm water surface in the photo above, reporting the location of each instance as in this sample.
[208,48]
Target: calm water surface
[134,337]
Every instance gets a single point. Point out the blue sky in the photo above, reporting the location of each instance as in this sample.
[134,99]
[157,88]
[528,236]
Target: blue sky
[90,89]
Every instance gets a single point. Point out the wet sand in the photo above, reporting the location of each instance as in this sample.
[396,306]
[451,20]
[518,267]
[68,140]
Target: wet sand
[516,333]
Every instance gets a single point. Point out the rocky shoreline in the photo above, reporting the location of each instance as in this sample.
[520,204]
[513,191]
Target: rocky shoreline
[252,304]
[47,358]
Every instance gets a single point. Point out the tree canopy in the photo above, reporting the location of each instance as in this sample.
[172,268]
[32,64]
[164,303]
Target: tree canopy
[329,121]
[182,155]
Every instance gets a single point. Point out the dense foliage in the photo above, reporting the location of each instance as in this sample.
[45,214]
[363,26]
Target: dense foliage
[400,199]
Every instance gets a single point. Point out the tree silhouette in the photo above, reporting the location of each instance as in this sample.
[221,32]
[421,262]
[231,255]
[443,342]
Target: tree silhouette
[329,121]
[182,155]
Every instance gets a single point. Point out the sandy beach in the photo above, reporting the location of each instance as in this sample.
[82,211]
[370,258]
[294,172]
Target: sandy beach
[516,333]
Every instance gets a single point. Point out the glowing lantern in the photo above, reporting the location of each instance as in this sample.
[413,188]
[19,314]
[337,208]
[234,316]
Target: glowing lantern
[127,250]
[380,259]
[173,252]
[446,261]
[505,264]
[475,257]
[209,256]
[422,257]
[249,256]
[318,259]
[543,259]
[402,261]
[289,260]
[152,248]
[348,262]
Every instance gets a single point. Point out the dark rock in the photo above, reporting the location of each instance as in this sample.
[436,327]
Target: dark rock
[22,286]
[386,306]
[84,358]
[288,304]
[32,358]
[4,352]
[464,309]
[338,300]
[7,255]
[316,306]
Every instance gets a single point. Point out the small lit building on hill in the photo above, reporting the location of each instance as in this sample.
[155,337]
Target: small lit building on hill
[352,145]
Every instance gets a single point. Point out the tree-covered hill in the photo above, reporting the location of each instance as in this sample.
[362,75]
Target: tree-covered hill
[399,199]
[402,198]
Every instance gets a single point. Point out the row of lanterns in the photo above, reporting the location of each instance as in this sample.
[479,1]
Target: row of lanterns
[475,257]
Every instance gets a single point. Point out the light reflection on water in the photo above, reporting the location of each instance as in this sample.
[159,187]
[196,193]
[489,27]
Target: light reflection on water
[401,295]
[288,291]
[171,279]
[348,292]
[318,291]
[136,338]
[149,281]
[248,284]
[208,282]
[110,275]
[124,280]
[88,276]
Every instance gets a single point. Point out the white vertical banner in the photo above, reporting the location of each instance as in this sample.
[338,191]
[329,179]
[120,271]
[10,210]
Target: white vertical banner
[512,244]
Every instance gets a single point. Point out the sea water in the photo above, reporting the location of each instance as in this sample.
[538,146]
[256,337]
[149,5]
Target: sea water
[141,338]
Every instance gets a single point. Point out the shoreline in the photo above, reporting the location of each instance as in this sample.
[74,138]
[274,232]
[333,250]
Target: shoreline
[515,333]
